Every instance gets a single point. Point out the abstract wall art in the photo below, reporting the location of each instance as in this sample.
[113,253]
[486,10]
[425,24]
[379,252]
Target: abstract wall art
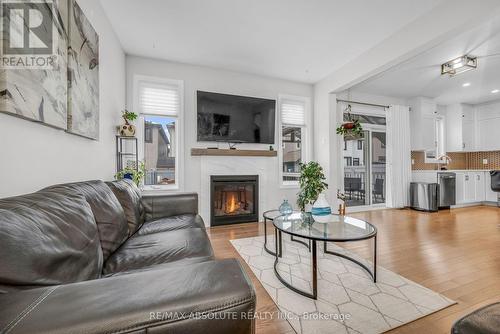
[51,76]
[83,75]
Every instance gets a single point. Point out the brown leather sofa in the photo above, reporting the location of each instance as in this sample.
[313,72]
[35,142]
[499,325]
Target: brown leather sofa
[92,257]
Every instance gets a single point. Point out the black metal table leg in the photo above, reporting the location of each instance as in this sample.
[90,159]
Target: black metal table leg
[308,244]
[314,294]
[265,238]
[373,273]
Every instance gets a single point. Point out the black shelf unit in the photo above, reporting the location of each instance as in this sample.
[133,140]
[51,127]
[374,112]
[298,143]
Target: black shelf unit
[126,153]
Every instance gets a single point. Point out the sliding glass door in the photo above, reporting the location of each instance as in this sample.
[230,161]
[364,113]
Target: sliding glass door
[364,164]
[377,167]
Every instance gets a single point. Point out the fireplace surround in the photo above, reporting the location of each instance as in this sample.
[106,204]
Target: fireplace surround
[234,199]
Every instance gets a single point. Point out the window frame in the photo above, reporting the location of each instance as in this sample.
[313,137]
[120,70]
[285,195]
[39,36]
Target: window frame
[305,140]
[179,133]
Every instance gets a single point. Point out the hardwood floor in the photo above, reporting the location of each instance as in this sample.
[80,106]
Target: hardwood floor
[454,252]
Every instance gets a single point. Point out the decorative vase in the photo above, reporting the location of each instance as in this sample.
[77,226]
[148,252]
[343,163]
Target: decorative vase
[127,130]
[285,208]
[321,206]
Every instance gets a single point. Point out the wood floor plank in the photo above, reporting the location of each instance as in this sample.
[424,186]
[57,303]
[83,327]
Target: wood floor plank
[454,252]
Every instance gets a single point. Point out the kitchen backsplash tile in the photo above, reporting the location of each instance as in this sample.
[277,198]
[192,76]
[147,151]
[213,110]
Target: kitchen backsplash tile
[460,160]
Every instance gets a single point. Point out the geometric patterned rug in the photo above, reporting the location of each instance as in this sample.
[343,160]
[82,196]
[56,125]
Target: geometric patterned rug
[348,300]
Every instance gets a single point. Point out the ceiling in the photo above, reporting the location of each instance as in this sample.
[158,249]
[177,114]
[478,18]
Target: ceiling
[421,76]
[301,40]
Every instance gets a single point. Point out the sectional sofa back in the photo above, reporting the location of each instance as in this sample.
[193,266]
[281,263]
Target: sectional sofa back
[47,238]
[107,210]
[61,234]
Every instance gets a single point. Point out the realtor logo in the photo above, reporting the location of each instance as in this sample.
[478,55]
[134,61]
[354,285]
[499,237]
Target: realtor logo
[27,36]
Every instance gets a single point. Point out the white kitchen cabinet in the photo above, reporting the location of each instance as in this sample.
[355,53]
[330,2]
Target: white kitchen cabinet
[479,182]
[488,123]
[423,117]
[469,188]
[460,188]
[460,128]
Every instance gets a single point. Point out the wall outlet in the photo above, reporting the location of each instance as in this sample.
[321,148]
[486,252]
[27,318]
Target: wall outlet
[485,161]
[412,161]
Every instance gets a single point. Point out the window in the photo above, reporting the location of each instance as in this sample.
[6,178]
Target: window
[292,133]
[360,144]
[159,104]
[348,161]
[355,161]
[345,145]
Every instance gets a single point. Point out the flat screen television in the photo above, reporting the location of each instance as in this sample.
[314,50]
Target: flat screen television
[235,119]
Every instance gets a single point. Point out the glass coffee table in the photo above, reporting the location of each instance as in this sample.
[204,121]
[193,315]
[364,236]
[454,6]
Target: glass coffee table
[329,228]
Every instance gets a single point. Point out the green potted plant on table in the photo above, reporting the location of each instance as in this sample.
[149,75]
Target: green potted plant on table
[133,174]
[312,184]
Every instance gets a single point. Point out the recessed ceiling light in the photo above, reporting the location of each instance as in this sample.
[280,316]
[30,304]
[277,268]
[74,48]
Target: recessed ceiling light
[467,84]
[494,91]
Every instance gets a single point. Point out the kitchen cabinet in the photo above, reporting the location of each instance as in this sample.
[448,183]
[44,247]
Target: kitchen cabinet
[460,188]
[460,128]
[470,187]
[423,116]
[488,123]
[479,186]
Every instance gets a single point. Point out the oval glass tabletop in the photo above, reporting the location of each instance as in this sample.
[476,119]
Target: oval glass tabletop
[324,228]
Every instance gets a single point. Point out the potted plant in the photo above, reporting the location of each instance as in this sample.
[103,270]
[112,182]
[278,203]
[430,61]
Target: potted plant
[133,174]
[312,184]
[351,129]
[127,129]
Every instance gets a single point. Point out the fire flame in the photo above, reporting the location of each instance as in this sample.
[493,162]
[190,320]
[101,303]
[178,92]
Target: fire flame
[231,204]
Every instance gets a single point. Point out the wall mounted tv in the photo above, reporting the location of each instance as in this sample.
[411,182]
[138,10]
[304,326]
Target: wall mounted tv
[235,119]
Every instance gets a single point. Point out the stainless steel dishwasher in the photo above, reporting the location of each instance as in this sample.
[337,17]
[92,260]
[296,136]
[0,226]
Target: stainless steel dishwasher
[447,189]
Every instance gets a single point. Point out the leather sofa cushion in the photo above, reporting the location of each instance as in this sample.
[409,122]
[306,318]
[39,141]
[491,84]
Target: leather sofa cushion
[123,304]
[129,197]
[47,238]
[142,251]
[485,320]
[171,224]
[108,212]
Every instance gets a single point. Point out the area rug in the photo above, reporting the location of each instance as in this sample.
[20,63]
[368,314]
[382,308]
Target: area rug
[348,300]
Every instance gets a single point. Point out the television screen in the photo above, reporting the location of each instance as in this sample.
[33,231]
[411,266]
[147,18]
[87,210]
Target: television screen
[233,118]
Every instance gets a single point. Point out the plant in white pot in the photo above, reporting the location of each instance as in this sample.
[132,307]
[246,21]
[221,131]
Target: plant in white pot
[127,129]
[312,184]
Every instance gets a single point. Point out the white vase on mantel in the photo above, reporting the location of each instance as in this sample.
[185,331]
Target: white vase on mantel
[321,207]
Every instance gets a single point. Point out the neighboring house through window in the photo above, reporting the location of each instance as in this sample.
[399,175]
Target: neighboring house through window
[292,111]
[160,106]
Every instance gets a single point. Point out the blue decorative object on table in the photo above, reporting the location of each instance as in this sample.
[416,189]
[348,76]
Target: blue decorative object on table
[285,208]
[321,206]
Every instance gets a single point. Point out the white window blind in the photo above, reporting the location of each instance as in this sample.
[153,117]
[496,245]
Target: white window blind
[293,112]
[159,99]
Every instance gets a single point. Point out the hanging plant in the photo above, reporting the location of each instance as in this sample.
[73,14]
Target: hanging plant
[351,129]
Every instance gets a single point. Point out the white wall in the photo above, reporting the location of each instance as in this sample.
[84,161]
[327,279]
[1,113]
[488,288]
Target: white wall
[33,156]
[221,81]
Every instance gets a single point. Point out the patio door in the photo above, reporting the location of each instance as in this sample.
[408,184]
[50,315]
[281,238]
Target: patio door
[364,164]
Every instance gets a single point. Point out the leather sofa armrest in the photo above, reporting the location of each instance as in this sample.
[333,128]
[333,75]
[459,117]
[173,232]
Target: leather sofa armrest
[167,205]
[209,297]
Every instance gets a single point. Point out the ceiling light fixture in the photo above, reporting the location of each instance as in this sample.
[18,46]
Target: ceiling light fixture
[467,84]
[494,91]
[459,65]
